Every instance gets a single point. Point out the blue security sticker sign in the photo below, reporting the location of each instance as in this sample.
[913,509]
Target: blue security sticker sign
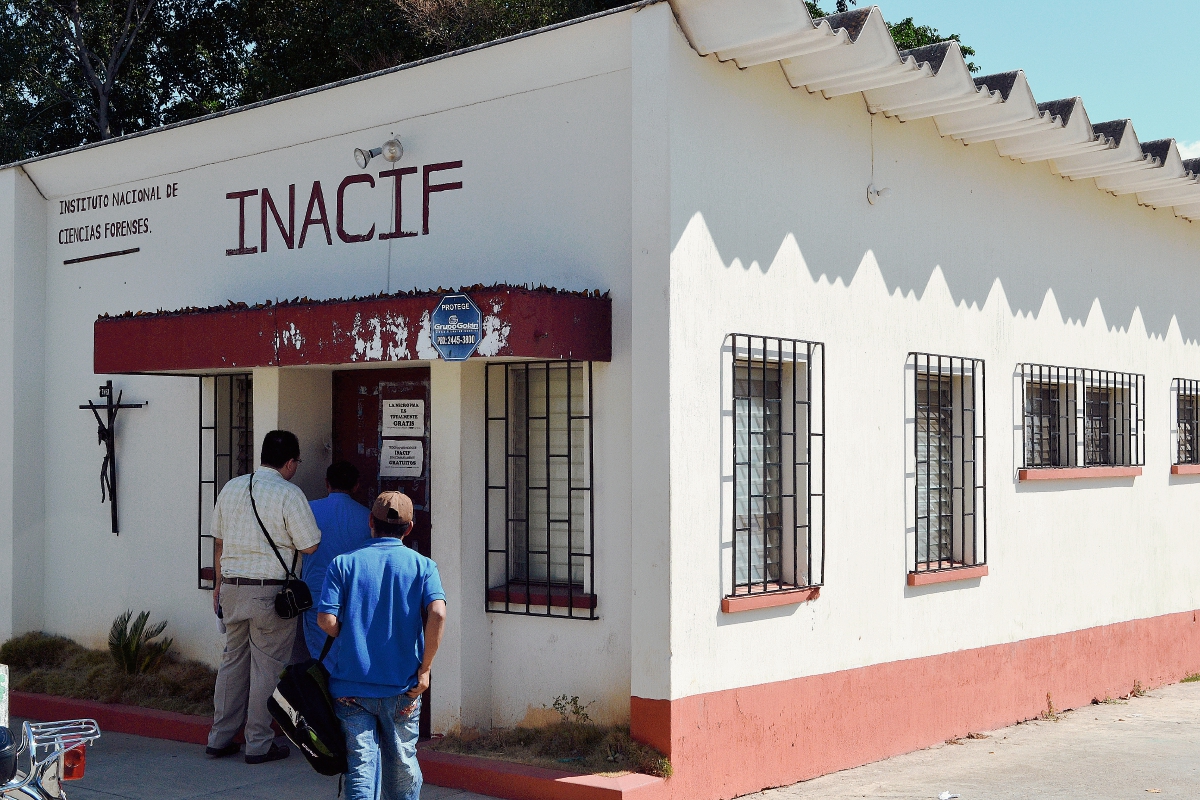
[457,327]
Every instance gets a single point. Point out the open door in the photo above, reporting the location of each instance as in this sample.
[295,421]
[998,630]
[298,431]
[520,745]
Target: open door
[381,426]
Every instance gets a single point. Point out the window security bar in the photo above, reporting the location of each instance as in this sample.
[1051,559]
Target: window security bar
[540,508]
[1076,417]
[226,450]
[950,462]
[1187,420]
[778,464]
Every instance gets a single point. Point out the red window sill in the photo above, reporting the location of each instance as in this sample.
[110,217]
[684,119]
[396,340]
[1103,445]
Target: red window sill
[1077,473]
[946,575]
[744,601]
[207,574]
[559,596]
[1185,469]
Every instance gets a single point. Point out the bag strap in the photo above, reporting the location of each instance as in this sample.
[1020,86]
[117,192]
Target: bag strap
[290,573]
[325,649]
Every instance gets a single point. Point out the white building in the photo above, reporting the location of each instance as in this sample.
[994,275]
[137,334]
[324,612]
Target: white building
[791,541]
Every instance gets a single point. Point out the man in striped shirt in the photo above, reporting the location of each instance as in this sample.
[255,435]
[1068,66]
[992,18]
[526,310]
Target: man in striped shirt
[258,643]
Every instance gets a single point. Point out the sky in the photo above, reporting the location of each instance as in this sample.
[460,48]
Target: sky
[1126,60]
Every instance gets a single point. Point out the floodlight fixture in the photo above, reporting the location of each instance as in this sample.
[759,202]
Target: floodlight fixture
[391,150]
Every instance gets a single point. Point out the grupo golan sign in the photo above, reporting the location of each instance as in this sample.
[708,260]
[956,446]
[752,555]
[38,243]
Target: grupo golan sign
[457,327]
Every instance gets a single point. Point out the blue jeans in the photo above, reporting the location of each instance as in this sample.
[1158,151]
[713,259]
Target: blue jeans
[381,747]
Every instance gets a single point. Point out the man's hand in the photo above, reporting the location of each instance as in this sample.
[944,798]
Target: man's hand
[218,551]
[435,624]
[329,623]
[422,683]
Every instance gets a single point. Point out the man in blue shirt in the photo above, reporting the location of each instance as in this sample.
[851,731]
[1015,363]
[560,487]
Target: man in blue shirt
[344,527]
[384,603]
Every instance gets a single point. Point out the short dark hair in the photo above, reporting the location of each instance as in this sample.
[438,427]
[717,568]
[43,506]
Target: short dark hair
[342,475]
[279,447]
[395,530]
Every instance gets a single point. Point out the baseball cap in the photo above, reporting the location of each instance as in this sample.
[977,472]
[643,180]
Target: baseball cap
[393,507]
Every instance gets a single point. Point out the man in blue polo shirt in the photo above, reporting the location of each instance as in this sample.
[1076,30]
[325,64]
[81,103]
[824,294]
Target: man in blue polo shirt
[344,527]
[374,601]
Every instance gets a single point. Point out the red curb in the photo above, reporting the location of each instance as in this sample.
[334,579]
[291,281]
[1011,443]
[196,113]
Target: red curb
[113,717]
[521,782]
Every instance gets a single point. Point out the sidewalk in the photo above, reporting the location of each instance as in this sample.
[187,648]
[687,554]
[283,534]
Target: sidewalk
[1124,749]
[139,768]
[1144,747]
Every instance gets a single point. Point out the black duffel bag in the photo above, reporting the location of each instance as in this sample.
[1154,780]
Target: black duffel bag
[303,707]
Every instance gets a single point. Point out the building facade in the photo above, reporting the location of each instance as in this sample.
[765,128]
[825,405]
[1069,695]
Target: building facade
[831,437]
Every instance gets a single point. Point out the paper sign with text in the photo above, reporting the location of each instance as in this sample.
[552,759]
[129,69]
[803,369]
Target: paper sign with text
[403,417]
[402,458]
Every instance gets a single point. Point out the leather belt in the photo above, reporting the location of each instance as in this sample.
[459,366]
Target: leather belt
[253,581]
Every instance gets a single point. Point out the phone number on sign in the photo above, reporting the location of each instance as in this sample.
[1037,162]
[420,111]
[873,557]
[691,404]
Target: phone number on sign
[456,340]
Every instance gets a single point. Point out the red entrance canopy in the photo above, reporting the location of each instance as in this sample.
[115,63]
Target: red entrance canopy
[518,322]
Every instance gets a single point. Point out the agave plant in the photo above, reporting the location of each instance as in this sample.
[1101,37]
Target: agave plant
[132,645]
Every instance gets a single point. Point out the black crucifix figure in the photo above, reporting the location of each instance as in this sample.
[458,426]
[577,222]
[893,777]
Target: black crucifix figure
[106,434]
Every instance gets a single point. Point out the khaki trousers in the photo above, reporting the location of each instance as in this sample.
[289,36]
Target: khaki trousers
[258,645]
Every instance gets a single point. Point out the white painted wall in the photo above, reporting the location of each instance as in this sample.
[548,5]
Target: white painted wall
[971,255]
[651,424]
[542,126]
[22,328]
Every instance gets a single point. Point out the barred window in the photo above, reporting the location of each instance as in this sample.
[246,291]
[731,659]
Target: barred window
[949,463]
[539,509]
[226,447]
[1078,417]
[778,465]
[1187,420]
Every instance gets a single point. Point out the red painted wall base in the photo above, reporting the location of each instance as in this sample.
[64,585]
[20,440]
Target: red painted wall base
[729,743]
[112,717]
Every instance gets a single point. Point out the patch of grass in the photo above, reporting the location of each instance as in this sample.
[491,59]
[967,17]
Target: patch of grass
[1051,713]
[55,665]
[1192,678]
[567,744]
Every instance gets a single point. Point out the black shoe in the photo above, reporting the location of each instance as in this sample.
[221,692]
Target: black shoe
[276,753]
[230,749]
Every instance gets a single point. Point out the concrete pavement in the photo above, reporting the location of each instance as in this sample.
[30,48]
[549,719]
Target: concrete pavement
[1147,746]
[1144,747]
[138,768]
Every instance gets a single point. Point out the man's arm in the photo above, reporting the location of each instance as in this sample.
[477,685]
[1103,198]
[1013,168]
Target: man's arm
[435,625]
[300,523]
[218,548]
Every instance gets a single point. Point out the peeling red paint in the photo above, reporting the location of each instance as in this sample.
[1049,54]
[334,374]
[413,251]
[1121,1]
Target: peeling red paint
[521,323]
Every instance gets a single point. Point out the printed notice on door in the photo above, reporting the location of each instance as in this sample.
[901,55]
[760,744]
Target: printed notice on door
[401,458]
[403,417]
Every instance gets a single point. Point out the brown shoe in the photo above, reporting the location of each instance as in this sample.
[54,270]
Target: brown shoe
[276,753]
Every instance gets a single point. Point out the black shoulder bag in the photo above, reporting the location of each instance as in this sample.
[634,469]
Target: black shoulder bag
[304,709]
[294,598]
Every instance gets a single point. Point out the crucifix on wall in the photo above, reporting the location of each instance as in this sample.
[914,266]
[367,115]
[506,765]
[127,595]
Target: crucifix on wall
[107,437]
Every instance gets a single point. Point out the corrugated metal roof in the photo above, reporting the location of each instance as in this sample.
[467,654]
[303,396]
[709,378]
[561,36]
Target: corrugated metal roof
[854,52]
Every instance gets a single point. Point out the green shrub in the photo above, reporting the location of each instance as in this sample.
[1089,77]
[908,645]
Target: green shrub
[53,665]
[37,651]
[132,645]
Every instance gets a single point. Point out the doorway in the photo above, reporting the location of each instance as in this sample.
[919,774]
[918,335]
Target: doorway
[381,426]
